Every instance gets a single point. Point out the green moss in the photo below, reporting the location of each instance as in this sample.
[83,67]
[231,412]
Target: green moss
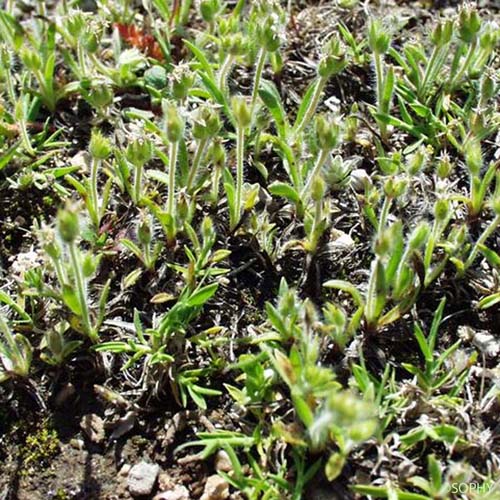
[40,446]
[60,494]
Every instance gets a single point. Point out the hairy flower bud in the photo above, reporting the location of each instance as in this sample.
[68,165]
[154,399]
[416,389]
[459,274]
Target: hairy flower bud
[469,23]
[217,153]
[68,225]
[473,156]
[99,146]
[139,152]
[182,79]
[206,123]
[441,209]
[327,132]
[378,39]
[442,33]
[209,9]
[333,60]
[318,188]
[144,232]
[241,111]
[173,123]
[419,235]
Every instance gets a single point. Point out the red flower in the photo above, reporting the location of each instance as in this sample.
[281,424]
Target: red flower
[137,38]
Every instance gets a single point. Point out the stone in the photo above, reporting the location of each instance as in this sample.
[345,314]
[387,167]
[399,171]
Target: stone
[178,492]
[222,462]
[93,427]
[216,488]
[142,478]
[360,180]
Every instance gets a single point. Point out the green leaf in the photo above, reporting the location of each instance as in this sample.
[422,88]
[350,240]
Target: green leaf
[348,287]
[284,191]
[304,105]
[200,56]
[216,94]
[435,472]
[71,299]
[202,295]
[489,301]
[303,410]
[271,98]
[422,342]
[334,466]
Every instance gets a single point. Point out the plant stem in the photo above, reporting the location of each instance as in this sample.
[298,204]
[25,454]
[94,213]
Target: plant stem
[138,183]
[224,71]
[318,212]
[315,171]
[171,178]
[379,76]
[81,59]
[214,195]
[94,196]
[482,239]
[61,276]
[468,58]
[384,214]
[198,155]
[313,104]
[430,71]
[147,256]
[80,288]
[261,60]
[240,143]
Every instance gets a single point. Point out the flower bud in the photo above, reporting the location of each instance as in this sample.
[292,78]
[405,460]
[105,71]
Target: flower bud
[217,154]
[98,94]
[333,60]
[182,79]
[235,44]
[469,23]
[442,33]
[75,24]
[318,188]
[99,146]
[31,60]
[473,156]
[207,228]
[139,152]
[144,232]
[91,42]
[444,166]
[50,245]
[416,161]
[89,265]
[241,111]
[269,35]
[206,123]
[419,235]
[442,209]
[173,123]
[327,132]
[209,9]
[68,225]
[394,187]
[378,39]
[487,88]
[183,205]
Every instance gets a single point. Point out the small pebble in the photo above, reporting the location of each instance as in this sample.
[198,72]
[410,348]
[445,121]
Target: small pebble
[142,478]
[216,488]
[222,462]
[178,492]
